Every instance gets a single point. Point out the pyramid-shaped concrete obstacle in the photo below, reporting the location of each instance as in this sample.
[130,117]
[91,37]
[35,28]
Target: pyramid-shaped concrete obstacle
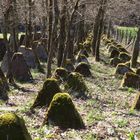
[13,128]
[84,69]
[45,95]
[63,113]
[76,85]
[131,79]
[136,104]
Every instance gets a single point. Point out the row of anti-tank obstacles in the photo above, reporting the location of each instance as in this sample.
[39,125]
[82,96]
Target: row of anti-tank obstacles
[60,109]
[121,59]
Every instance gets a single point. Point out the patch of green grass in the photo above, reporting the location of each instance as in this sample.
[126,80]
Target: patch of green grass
[94,116]
[132,30]
[90,136]
[131,136]
[91,102]
[122,123]
[130,90]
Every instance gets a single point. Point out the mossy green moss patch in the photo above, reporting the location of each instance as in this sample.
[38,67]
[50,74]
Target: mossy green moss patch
[63,113]
[76,85]
[13,128]
[61,73]
[45,95]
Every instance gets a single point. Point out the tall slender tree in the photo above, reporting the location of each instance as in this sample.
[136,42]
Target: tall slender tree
[136,50]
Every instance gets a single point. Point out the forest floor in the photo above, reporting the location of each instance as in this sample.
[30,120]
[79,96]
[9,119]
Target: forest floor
[107,113]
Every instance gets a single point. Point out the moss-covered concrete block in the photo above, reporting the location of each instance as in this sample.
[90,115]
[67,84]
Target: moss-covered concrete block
[61,73]
[121,69]
[63,113]
[45,95]
[115,61]
[13,128]
[131,79]
[124,57]
[76,85]
[84,69]
[136,104]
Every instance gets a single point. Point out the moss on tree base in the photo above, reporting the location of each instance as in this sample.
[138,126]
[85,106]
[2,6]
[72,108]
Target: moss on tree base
[13,128]
[63,113]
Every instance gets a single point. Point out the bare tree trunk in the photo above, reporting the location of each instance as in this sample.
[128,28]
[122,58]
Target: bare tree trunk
[81,31]
[38,65]
[99,32]
[96,28]
[15,22]
[117,34]
[50,22]
[95,33]
[9,75]
[126,37]
[136,51]
[97,51]
[54,40]
[62,37]
[69,35]
[109,29]
[29,25]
